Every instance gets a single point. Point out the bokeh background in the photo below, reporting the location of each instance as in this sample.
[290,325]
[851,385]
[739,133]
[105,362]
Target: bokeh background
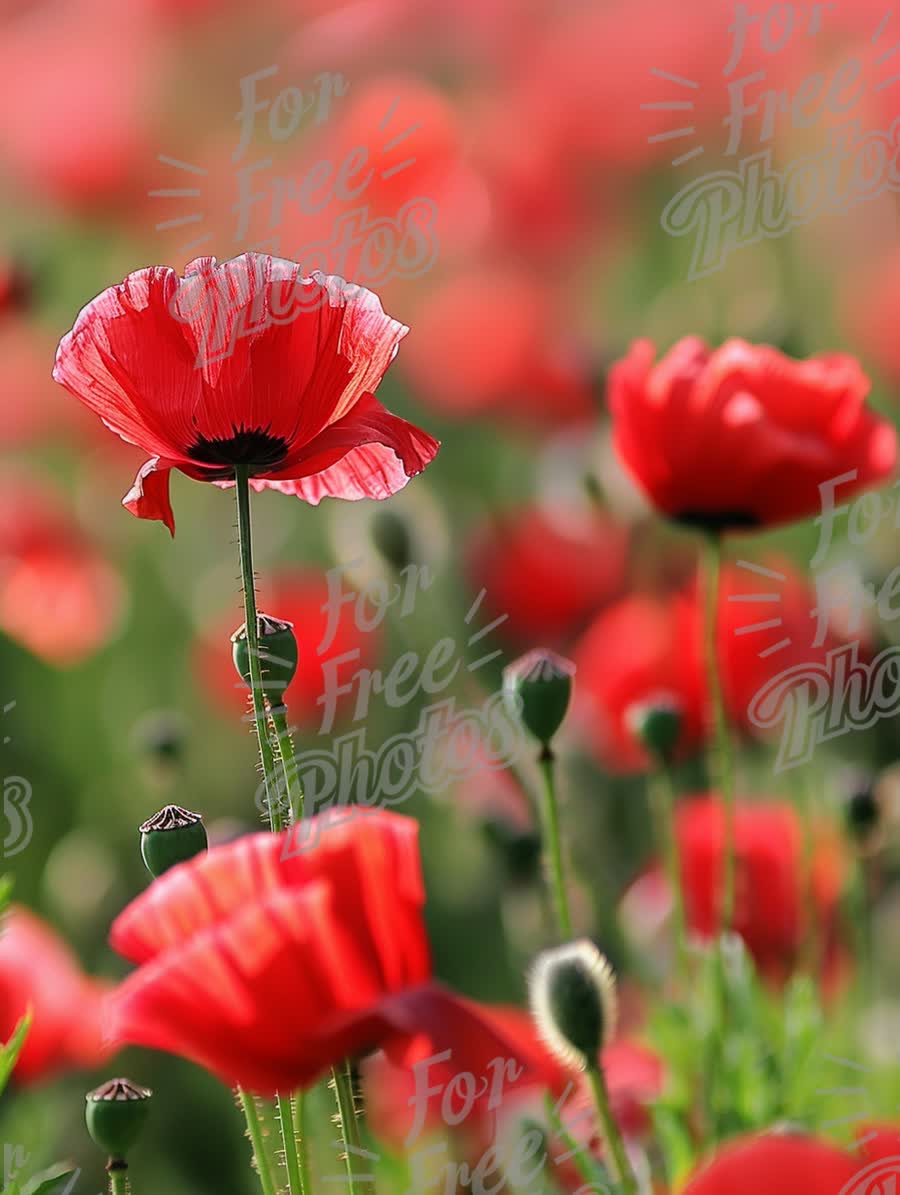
[524,126]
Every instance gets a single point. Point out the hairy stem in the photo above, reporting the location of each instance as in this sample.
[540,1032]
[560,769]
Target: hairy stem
[722,766]
[553,843]
[248,584]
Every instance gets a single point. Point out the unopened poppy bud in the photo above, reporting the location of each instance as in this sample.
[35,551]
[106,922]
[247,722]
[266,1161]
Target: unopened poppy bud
[115,1114]
[171,836]
[277,656]
[538,686]
[657,724]
[572,993]
[391,537]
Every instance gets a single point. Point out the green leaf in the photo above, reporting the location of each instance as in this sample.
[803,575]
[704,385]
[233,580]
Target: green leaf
[674,1135]
[6,887]
[9,1054]
[58,1180]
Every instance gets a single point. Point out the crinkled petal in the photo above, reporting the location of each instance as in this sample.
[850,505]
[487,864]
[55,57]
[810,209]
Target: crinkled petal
[148,498]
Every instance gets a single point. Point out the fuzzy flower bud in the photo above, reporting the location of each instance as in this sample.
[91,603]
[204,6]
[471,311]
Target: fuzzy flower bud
[572,992]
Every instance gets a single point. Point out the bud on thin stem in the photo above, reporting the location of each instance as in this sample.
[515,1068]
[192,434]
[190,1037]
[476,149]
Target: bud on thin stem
[115,1114]
[171,836]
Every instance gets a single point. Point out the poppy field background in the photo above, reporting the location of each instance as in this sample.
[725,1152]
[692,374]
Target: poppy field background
[508,210]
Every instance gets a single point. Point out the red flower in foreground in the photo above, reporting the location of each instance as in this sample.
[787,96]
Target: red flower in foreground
[244,364]
[548,576]
[779,1165]
[299,596]
[743,436]
[38,971]
[267,970]
[59,597]
[770,896]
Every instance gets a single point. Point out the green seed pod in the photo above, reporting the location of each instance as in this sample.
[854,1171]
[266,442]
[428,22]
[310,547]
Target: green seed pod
[657,723]
[538,688]
[171,836]
[115,1114]
[391,537]
[277,656]
[573,1001]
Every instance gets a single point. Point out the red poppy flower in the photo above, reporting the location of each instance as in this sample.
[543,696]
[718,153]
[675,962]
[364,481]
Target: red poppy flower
[771,879]
[87,77]
[766,625]
[268,969]
[59,597]
[398,1110]
[547,576]
[632,654]
[781,1165]
[299,596]
[743,436]
[244,364]
[38,971]
[529,373]
[880,1142]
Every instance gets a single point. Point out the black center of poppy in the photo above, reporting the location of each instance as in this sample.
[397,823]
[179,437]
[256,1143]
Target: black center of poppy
[254,447]
[717,520]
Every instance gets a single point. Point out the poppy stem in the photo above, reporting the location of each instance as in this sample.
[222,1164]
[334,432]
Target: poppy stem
[292,782]
[547,766]
[721,762]
[291,1112]
[118,1177]
[343,1090]
[248,584]
[619,1163]
[296,1174]
[255,1131]
[662,798]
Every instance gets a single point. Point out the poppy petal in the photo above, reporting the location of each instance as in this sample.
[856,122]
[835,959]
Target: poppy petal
[370,453]
[148,498]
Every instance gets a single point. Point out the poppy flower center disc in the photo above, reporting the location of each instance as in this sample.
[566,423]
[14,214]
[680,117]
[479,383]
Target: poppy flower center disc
[254,447]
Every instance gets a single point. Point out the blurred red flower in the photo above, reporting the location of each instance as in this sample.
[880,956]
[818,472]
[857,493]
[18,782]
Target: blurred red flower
[32,406]
[749,657]
[773,890]
[38,971]
[635,652]
[268,969]
[743,436]
[781,1164]
[85,75]
[634,1077]
[299,596]
[244,363]
[59,597]
[879,1141]
[547,575]
[488,340]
